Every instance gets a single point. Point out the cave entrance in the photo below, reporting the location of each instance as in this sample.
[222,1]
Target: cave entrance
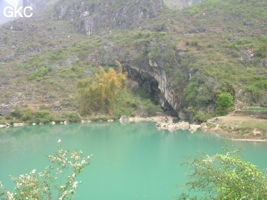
[148,87]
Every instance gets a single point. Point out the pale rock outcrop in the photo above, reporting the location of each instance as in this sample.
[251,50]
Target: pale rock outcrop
[185,126]
[194,128]
[124,119]
[3,125]
[18,124]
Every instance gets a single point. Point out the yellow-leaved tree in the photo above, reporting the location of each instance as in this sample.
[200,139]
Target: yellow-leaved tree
[99,93]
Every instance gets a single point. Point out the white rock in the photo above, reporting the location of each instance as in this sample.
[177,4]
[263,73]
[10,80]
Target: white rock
[18,124]
[170,126]
[183,125]
[213,120]
[256,132]
[193,128]
[3,126]
[124,118]
[204,126]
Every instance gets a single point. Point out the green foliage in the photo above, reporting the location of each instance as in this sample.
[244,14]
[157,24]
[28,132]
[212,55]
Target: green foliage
[16,113]
[40,73]
[71,117]
[130,105]
[224,103]
[150,108]
[99,93]
[30,116]
[255,92]
[57,181]
[202,116]
[192,43]
[261,50]
[198,116]
[36,116]
[199,92]
[256,109]
[225,177]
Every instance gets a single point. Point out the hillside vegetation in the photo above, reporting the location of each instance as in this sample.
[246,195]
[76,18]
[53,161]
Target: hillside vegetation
[180,59]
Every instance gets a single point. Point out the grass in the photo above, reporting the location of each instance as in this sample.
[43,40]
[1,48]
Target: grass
[254,125]
[210,40]
[256,109]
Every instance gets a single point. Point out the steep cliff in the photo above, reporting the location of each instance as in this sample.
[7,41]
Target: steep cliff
[179,4]
[103,16]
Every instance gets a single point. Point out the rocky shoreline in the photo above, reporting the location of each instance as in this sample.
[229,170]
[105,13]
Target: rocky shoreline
[185,126]
[164,122]
[122,119]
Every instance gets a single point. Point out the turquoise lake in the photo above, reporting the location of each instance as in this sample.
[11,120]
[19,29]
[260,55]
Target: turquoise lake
[132,161]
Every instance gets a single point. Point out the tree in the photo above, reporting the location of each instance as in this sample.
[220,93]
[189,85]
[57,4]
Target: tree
[226,177]
[57,181]
[224,103]
[99,93]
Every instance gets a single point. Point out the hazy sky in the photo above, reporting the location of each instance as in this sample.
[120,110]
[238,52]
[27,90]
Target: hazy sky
[3,4]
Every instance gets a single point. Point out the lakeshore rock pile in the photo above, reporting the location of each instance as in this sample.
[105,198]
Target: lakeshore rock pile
[185,126]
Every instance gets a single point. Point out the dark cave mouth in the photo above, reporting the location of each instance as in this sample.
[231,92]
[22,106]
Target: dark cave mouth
[148,87]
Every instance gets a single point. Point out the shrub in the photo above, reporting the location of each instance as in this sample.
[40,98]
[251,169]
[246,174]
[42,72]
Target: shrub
[16,113]
[226,176]
[254,91]
[72,117]
[224,103]
[40,73]
[99,93]
[42,117]
[261,51]
[202,116]
[57,181]
[198,116]
[30,116]
[151,109]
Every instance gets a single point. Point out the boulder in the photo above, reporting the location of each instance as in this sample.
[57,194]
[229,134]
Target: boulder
[3,125]
[194,127]
[170,126]
[183,126]
[124,119]
[213,120]
[18,124]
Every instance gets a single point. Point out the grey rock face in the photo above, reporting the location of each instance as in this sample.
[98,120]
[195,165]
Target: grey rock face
[181,3]
[104,16]
[157,83]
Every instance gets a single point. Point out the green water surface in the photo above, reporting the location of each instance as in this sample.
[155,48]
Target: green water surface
[131,161]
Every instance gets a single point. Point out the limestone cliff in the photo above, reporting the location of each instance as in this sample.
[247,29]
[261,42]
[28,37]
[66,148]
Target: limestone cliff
[104,16]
